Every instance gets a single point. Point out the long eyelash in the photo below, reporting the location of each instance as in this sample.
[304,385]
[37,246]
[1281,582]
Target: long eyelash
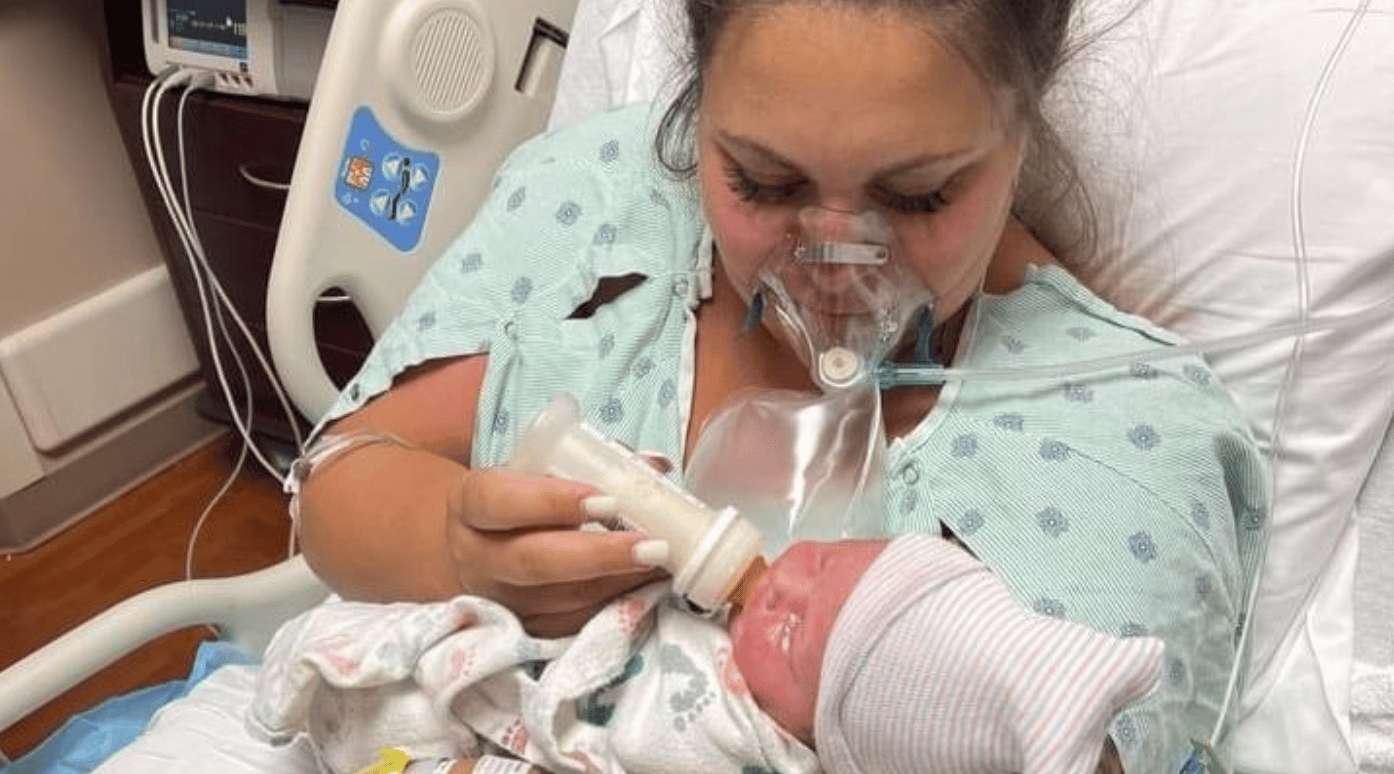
[750,190]
[919,203]
[741,185]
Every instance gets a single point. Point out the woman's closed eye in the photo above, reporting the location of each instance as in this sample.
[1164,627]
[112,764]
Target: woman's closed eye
[911,204]
[749,189]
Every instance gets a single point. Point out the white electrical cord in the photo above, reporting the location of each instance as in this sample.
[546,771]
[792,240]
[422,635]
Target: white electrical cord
[225,301]
[188,237]
[217,497]
[213,305]
[197,259]
[248,404]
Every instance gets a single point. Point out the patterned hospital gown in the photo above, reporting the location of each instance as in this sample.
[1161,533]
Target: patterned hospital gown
[1131,499]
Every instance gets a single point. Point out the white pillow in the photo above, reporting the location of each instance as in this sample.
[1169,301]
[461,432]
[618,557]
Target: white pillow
[620,51]
[1193,114]
[1187,118]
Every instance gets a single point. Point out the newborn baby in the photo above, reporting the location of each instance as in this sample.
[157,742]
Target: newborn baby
[912,656]
[899,656]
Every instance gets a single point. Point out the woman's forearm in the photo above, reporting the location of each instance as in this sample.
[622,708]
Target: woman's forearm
[373,523]
[373,519]
[403,518]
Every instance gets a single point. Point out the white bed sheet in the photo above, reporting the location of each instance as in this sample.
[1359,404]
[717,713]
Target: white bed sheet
[1372,683]
[205,732]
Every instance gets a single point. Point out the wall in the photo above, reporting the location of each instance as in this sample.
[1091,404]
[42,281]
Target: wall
[77,225]
[97,374]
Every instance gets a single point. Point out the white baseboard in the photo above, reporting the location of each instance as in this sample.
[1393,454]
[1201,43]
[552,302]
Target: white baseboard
[19,465]
[154,437]
[89,363]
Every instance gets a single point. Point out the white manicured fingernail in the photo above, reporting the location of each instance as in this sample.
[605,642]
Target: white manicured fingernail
[600,507]
[657,460]
[650,553]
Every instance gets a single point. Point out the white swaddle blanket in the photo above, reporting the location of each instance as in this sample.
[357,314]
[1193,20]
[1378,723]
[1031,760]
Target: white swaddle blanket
[644,687]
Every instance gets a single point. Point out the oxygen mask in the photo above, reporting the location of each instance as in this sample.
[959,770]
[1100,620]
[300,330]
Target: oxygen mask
[834,292]
[810,465]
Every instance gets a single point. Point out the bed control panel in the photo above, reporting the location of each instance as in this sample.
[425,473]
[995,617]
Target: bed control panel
[416,104]
[385,184]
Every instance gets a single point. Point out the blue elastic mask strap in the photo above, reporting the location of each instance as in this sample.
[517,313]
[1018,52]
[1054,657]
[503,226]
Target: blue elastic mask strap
[925,344]
[754,312]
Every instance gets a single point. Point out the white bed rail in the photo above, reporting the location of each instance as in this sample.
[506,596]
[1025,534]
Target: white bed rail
[248,609]
[379,101]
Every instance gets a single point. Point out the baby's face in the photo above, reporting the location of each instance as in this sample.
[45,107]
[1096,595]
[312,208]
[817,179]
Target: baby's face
[779,638]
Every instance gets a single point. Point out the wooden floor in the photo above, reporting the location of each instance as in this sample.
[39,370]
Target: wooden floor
[134,543]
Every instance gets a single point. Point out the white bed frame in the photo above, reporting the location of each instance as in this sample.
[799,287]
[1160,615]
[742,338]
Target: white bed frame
[247,609]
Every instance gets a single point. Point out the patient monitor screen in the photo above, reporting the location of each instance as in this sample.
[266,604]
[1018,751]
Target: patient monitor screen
[215,27]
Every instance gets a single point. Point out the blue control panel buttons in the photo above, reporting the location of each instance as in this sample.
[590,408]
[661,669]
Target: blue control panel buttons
[385,184]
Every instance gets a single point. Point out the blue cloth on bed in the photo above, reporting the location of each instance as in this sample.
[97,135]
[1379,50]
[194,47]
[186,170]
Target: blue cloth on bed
[89,738]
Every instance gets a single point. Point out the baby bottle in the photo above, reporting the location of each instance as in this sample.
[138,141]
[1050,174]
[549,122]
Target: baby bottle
[714,556]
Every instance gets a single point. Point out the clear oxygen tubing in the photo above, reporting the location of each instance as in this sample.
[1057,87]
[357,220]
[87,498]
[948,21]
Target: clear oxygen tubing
[1299,245]
[891,374]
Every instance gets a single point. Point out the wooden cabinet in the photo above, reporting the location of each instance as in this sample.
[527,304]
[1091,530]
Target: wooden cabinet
[239,153]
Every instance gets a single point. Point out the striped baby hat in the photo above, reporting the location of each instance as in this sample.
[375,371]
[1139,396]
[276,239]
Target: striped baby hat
[933,666]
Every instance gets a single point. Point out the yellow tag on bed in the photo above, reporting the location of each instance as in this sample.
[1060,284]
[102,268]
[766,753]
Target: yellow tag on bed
[390,761]
[1202,760]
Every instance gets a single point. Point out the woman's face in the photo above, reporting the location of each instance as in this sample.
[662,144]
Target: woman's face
[779,638]
[809,105]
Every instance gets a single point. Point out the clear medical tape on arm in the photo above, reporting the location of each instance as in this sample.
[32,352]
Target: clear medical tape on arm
[326,448]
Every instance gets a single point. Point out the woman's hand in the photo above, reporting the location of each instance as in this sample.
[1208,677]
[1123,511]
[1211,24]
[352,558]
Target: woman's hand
[516,539]
[371,520]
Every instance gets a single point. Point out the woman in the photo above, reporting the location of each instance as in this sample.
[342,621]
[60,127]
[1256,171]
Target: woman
[1119,498]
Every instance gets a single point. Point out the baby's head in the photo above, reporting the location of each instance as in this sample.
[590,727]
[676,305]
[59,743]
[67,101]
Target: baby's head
[779,638]
[887,653]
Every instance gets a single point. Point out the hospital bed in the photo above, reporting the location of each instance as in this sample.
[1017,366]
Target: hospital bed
[1241,158]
